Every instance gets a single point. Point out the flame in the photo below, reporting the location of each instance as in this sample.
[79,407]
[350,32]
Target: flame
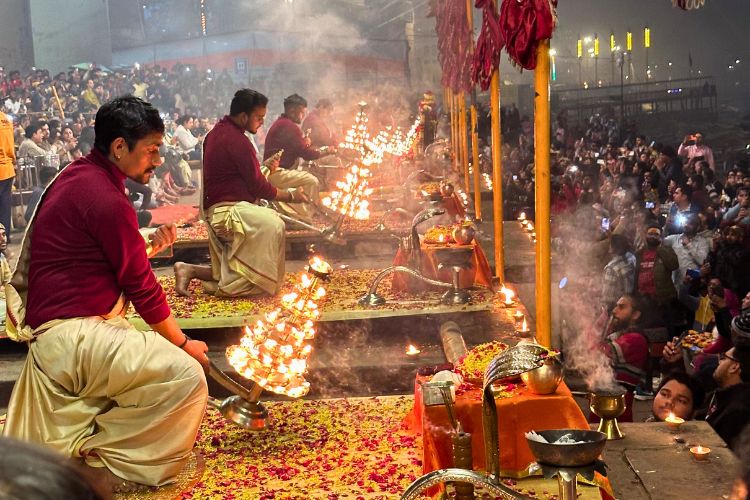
[509,294]
[274,353]
[412,350]
[524,326]
[522,217]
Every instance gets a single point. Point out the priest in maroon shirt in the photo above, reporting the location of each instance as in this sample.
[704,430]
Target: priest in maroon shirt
[246,241]
[128,402]
[285,134]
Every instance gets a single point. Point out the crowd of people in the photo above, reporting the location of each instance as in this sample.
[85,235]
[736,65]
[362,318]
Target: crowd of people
[655,245]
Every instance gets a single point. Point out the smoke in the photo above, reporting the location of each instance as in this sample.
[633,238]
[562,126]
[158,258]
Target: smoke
[583,354]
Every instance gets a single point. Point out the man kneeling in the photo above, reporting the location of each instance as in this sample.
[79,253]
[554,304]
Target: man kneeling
[129,403]
[246,242]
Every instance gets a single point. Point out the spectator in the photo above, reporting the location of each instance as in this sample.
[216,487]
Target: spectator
[691,248]
[693,149]
[31,146]
[654,266]
[681,209]
[619,273]
[678,394]
[7,168]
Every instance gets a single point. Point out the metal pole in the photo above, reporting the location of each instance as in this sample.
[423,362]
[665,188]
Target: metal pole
[497,174]
[542,127]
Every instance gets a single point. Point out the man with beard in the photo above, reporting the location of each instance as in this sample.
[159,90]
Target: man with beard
[622,340]
[691,248]
[285,134]
[653,278]
[246,242]
[126,402]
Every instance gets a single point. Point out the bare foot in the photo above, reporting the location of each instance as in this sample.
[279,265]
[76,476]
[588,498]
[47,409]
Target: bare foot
[115,483]
[182,277]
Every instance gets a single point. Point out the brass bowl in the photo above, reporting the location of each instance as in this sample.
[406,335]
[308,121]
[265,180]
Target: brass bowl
[607,405]
[568,455]
[546,378]
[463,234]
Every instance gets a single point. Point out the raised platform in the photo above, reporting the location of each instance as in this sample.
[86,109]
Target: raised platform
[201,310]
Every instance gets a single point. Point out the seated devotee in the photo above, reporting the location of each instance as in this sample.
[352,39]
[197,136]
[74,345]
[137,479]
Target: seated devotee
[285,134]
[31,472]
[126,402]
[31,145]
[320,135]
[678,394]
[246,242]
[624,343]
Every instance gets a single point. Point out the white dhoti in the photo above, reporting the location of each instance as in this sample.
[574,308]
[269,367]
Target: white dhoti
[285,179]
[118,397]
[247,244]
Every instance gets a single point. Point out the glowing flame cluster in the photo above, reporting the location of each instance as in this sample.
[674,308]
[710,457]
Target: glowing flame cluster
[358,136]
[350,198]
[273,353]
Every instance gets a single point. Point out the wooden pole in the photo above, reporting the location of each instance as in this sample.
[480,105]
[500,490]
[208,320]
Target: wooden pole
[464,140]
[475,163]
[542,196]
[454,149]
[497,175]
[59,104]
[473,115]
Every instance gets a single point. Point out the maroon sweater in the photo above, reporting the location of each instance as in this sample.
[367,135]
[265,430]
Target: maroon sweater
[86,249]
[285,134]
[231,171]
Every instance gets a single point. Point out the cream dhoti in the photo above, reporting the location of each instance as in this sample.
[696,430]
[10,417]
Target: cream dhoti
[247,246]
[286,179]
[118,397]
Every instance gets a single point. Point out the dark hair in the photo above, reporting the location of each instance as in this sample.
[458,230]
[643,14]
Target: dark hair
[635,301]
[293,101]
[686,190]
[31,472]
[697,180]
[324,104]
[127,117]
[742,355]
[182,119]
[691,383]
[246,100]
[31,130]
[619,244]
[46,174]
[668,151]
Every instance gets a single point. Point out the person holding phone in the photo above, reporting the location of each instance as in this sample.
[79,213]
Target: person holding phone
[692,147]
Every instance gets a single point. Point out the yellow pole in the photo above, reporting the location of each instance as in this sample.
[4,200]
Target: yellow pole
[497,175]
[473,117]
[542,196]
[475,163]
[59,104]
[454,149]
[463,139]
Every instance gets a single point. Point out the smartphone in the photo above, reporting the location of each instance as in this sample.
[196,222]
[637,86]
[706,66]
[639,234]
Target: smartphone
[650,204]
[694,273]
[596,155]
[601,162]
[605,224]
[515,177]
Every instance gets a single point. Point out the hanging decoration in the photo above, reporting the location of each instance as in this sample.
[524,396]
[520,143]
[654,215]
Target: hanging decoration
[490,43]
[523,25]
[454,44]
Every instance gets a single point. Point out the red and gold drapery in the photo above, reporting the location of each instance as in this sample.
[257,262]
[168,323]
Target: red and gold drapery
[454,44]
[523,25]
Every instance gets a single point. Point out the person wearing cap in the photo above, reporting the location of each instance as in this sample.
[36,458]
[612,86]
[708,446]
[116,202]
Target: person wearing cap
[7,168]
[653,277]
[285,134]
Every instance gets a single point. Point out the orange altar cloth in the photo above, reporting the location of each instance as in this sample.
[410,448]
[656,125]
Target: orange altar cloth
[516,415]
[478,273]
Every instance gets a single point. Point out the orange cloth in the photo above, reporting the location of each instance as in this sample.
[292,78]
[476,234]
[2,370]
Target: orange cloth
[454,207]
[7,153]
[516,415]
[478,273]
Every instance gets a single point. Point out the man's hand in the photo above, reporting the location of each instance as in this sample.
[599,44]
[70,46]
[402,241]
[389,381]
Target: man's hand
[198,350]
[687,139]
[307,142]
[163,237]
[672,352]
[741,214]
[297,196]
[272,164]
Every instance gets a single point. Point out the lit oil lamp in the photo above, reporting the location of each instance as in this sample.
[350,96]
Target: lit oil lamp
[700,453]
[524,327]
[441,238]
[674,422]
[412,350]
[522,217]
[518,319]
[508,294]
[529,227]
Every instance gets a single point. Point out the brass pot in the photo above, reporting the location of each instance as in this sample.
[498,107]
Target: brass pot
[463,234]
[546,378]
[446,189]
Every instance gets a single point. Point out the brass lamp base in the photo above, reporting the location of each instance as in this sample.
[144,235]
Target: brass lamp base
[610,428]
